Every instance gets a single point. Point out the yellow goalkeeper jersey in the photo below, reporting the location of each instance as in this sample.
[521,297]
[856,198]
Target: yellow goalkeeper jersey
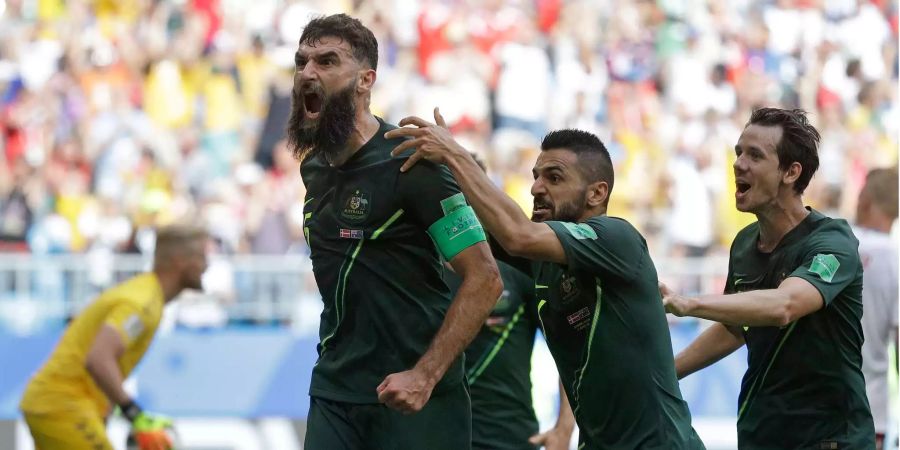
[63,385]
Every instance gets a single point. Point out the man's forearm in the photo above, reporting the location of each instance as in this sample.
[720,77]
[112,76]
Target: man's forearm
[565,420]
[717,342]
[499,214]
[473,302]
[108,377]
[767,307]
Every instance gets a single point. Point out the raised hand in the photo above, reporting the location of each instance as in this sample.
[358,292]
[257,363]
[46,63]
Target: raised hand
[431,141]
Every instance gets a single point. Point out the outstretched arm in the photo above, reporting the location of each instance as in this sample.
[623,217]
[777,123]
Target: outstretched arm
[793,299]
[717,342]
[499,214]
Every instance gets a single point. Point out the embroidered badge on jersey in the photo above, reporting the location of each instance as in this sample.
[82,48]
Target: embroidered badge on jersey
[825,266]
[581,230]
[356,208]
[568,289]
[351,234]
[580,319]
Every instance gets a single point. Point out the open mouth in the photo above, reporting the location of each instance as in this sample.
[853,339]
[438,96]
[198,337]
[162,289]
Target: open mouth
[541,209]
[312,104]
[742,188]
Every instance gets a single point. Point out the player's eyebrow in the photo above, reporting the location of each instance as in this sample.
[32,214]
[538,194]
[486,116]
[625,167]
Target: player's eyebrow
[548,168]
[311,53]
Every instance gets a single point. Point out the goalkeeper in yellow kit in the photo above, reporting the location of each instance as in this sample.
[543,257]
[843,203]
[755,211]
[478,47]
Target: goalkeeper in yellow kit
[68,400]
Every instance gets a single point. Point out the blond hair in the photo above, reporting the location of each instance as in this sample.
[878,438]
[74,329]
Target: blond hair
[176,239]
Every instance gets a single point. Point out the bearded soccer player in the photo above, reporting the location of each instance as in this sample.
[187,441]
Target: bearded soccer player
[793,295]
[498,368]
[68,400]
[598,299]
[388,373]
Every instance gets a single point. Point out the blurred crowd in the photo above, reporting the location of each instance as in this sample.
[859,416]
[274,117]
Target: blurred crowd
[120,115]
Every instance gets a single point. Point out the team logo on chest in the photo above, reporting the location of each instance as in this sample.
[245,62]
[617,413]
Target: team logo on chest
[357,206]
[568,288]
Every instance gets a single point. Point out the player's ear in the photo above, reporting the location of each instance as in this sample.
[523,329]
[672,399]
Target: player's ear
[597,194]
[365,81]
[792,173]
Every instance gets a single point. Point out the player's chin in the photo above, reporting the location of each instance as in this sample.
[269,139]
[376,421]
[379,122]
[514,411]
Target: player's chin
[743,205]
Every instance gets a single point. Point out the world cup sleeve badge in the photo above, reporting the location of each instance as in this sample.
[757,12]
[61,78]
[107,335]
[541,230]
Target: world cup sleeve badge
[825,266]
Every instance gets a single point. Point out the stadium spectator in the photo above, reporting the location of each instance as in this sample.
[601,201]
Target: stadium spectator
[167,77]
[876,212]
[113,87]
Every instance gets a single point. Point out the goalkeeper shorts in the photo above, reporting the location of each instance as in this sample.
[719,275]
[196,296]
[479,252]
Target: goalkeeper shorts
[70,432]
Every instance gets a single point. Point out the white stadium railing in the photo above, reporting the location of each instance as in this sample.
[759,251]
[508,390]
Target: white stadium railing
[248,289]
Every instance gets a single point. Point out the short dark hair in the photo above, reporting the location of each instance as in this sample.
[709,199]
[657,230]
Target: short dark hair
[799,141]
[593,158]
[362,42]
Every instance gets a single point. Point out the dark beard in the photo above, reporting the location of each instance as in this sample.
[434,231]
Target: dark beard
[565,212]
[329,136]
[571,211]
[568,212]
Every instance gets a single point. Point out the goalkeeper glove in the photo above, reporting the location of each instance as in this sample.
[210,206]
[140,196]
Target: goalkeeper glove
[148,431]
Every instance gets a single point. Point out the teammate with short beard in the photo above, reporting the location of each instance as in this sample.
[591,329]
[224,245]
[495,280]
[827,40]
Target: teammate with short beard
[388,375]
[598,300]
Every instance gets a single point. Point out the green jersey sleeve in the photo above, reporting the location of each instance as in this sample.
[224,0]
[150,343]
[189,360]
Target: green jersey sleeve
[433,198]
[423,188]
[602,245]
[831,261]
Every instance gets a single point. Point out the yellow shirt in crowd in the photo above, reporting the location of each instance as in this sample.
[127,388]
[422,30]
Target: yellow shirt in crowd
[63,385]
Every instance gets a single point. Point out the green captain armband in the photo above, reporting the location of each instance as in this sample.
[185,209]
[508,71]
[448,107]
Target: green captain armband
[456,231]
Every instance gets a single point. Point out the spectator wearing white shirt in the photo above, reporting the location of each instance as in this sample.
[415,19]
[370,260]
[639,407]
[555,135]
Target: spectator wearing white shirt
[876,212]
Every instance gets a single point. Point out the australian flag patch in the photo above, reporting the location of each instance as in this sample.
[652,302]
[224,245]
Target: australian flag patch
[351,234]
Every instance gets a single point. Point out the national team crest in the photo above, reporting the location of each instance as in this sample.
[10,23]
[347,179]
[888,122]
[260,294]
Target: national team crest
[568,288]
[356,207]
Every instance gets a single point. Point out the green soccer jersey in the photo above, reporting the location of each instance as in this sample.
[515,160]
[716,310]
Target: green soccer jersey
[804,386]
[605,325]
[377,269]
[498,366]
